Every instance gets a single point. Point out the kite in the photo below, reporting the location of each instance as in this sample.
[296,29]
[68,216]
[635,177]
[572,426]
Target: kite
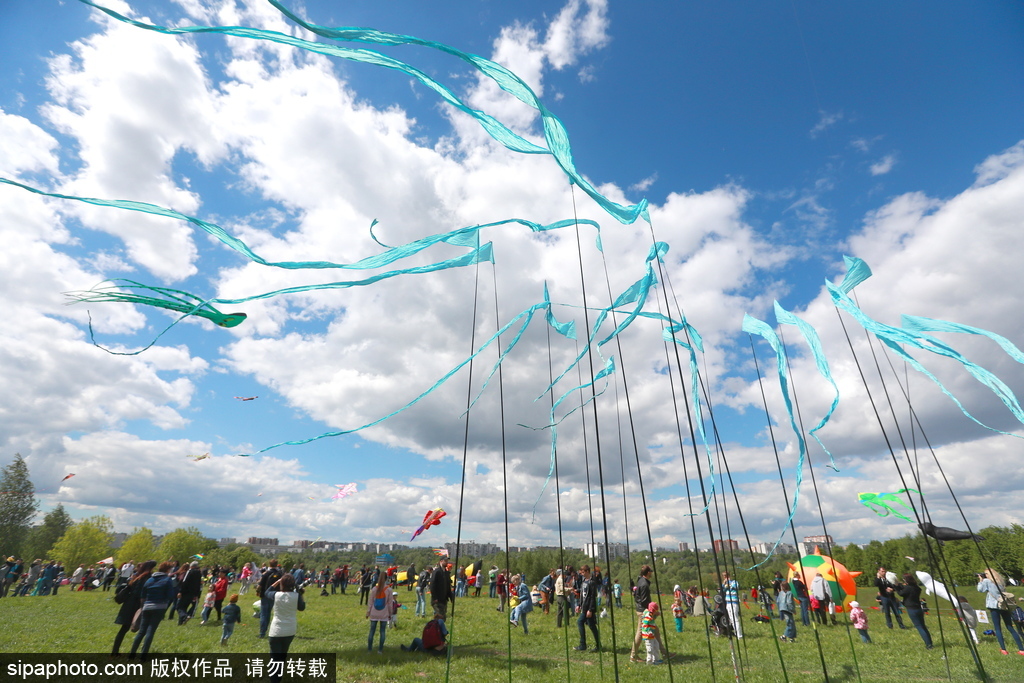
[171,299]
[197,556]
[247,398]
[343,490]
[910,558]
[944,533]
[882,504]
[441,552]
[108,560]
[259,494]
[311,497]
[67,477]
[432,518]
[197,458]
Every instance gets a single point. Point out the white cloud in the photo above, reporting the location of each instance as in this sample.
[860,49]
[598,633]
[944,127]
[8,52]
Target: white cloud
[883,165]
[827,120]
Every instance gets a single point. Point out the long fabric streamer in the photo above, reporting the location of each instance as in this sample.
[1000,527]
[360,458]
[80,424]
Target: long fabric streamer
[810,335]
[752,325]
[896,337]
[555,134]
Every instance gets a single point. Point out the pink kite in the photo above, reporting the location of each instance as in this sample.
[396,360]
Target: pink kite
[344,490]
[67,477]
[432,518]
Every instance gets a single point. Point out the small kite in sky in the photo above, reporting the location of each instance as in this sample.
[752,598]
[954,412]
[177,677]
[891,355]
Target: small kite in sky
[197,458]
[343,490]
[311,498]
[197,556]
[882,504]
[441,552]
[432,518]
[247,398]
[260,493]
[67,477]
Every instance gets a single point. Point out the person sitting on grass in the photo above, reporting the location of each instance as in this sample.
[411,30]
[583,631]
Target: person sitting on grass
[232,616]
[433,640]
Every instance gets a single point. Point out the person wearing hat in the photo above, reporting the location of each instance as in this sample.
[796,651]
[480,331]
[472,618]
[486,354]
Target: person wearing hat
[860,621]
[649,632]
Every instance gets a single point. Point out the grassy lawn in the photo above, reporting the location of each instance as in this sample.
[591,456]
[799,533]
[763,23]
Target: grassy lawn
[83,622]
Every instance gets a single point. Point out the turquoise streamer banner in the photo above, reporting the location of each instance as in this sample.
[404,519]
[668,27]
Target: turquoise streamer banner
[810,335]
[555,134]
[752,325]
[896,338]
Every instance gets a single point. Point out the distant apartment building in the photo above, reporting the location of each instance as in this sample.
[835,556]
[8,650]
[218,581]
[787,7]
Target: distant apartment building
[721,545]
[765,548]
[596,550]
[473,549]
[683,547]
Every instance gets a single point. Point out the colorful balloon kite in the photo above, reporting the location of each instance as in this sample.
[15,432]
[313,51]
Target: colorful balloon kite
[884,504]
[344,490]
[841,580]
[432,518]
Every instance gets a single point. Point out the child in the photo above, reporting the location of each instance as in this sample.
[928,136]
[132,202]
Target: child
[232,615]
[433,640]
[211,598]
[678,612]
[968,616]
[860,621]
[649,632]
[787,607]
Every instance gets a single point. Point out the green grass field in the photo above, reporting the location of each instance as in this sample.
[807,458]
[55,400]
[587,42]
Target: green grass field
[83,622]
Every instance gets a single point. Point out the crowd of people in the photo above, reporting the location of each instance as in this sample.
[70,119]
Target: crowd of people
[149,593]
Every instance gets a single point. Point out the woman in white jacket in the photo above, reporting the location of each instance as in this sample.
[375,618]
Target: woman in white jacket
[284,624]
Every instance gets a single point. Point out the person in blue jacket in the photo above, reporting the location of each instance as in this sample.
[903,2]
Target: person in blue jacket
[158,592]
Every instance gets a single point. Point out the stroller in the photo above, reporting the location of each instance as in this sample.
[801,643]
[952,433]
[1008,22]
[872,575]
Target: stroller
[721,625]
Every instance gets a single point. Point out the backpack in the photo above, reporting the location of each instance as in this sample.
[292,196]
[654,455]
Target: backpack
[1018,615]
[122,594]
[432,635]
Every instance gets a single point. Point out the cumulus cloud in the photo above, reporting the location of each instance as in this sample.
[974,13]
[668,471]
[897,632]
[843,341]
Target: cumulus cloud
[299,165]
[883,165]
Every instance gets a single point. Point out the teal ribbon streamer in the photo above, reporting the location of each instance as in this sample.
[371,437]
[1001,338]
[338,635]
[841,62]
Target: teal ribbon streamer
[555,134]
[810,335]
[896,338]
[752,325]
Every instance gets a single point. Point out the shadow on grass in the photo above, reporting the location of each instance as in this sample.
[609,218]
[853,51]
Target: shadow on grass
[488,658]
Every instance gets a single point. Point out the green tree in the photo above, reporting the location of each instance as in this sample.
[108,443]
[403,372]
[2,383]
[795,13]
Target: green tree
[232,555]
[43,537]
[86,542]
[181,544]
[18,506]
[138,547]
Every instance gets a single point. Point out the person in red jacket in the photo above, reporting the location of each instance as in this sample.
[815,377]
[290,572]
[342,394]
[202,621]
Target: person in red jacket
[220,591]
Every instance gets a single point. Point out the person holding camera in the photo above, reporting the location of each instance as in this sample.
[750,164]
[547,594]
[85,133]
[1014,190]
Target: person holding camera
[991,584]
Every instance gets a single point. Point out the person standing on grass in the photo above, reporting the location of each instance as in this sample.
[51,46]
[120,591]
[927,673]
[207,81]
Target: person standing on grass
[270,578]
[731,593]
[678,612]
[286,603]
[220,591]
[131,600]
[649,630]
[800,595]
[911,594]
[641,598]
[547,589]
[441,592]
[365,583]
[860,621]
[990,583]
[886,599]
[232,616]
[587,609]
[561,602]
[502,590]
[787,606]
[189,589]
[157,594]
[422,581]
[821,591]
[378,611]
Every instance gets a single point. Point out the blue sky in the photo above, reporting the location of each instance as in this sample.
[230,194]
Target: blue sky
[769,141]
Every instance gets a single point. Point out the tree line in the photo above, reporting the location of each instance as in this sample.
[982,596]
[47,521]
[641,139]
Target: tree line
[59,537]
